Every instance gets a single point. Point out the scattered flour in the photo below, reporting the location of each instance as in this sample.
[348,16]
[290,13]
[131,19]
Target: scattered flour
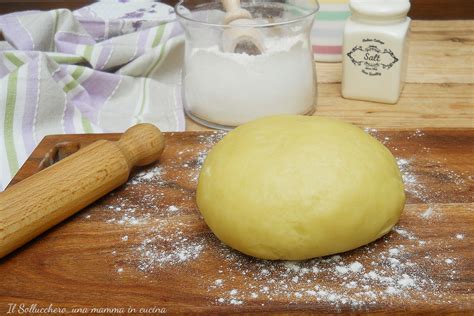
[428,213]
[405,233]
[429,195]
[236,302]
[392,291]
[356,267]
[147,175]
[172,208]
[341,270]
[394,251]
[337,280]
[159,236]
[406,281]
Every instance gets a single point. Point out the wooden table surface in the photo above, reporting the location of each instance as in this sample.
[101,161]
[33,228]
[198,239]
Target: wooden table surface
[145,245]
[439,89]
[438,99]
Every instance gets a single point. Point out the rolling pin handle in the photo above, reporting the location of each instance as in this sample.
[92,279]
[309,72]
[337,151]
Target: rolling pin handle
[45,199]
[142,144]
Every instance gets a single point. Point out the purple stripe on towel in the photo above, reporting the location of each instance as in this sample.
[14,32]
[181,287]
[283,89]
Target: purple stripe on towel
[15,33]
[74,38]
[67,42]
[82,101]
[100,86]
[94,26]
[103,57]
[31,103]
[85,12]
[60,73]
[142,39]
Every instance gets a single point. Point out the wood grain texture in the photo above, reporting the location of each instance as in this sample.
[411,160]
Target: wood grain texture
[440,84]
[52,195]
[420,106]
[76,263]
[442,9]
[440,52]
[420,9]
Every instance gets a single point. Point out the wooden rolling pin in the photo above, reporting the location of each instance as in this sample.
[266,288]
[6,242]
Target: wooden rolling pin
[43,200]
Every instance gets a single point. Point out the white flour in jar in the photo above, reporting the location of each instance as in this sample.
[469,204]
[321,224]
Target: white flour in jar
[231,89]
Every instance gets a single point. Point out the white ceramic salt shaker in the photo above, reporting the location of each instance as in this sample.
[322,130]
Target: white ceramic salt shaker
[375,50]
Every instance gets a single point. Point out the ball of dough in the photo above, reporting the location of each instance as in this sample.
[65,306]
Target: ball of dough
[298,187]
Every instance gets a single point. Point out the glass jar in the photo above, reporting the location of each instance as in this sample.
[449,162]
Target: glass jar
[223,88]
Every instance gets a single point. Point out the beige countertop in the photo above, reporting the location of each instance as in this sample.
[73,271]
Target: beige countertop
[438,93]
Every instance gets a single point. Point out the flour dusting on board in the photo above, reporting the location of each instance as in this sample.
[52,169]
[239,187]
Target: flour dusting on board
[392,272]
[158,236]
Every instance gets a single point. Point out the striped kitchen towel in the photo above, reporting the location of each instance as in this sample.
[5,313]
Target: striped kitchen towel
[101,68]
[328,30]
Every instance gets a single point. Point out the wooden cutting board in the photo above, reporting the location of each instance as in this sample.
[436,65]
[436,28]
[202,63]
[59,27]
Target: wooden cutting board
[146,246]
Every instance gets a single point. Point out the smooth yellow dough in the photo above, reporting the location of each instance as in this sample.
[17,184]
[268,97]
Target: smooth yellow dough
[298,187]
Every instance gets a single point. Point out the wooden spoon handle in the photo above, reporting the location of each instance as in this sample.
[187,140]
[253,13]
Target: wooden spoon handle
[234,11]
[45,199]
[231,5]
